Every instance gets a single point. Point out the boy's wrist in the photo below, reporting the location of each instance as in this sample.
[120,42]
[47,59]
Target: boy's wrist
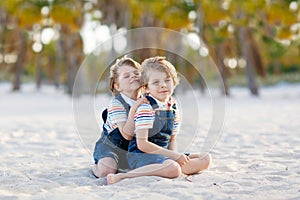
[134,108]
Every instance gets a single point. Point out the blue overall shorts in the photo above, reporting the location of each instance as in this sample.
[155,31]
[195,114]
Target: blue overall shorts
[113,144]
[160,135]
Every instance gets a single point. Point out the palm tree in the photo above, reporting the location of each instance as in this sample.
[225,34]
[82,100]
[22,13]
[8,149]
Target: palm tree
[277,21]
[2,22]
[20,36]
[214,34]
[67,17]
[245,16]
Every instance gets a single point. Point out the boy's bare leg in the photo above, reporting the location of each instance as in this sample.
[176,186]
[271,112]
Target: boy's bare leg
[168,169]
[104,167]
[197,163]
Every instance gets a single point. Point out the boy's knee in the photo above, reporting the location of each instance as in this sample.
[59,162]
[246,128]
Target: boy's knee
[173,170]
[208,159]
[103,171]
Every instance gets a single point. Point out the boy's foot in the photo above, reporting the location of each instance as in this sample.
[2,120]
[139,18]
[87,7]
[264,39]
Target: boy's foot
[113,178]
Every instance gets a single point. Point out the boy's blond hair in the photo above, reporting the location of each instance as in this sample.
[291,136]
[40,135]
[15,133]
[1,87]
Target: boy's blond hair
[161,64]
[114,74]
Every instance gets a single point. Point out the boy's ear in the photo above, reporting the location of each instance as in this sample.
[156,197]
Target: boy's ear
[116,86]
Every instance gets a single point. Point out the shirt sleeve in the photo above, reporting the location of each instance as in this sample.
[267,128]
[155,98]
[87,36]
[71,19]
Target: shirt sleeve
[116,112]
[177,122]
[144,117]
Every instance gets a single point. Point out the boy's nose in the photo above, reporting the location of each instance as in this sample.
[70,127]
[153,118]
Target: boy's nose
[133,76]
[162,84]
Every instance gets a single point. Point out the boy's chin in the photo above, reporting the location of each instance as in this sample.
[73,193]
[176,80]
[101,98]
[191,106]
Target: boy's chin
[162,99]
[136,86]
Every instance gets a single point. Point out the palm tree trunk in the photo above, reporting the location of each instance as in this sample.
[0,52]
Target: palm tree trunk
[58,63]
[74,58]
[222,69]
[71,62]
[245,46]
[112,53]
[2,22]
[20,61]
[199,24]
[39,70]
[256,56]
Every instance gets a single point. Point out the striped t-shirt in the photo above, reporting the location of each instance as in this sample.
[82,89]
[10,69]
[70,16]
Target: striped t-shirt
[144,117]
[116,113]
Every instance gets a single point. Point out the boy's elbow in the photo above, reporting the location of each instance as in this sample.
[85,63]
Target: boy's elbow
[142,145]
[127,136]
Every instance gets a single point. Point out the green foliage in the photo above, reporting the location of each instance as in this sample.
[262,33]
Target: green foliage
[284,69]
[275,48]
[271,79]
[270,22]
[279,13]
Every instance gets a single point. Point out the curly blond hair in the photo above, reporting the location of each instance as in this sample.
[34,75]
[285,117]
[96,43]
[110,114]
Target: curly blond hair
[114,71]
[161,64]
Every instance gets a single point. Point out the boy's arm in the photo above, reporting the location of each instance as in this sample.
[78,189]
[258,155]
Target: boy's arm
[151,148]
[124,134]
[173,144]
[127,128]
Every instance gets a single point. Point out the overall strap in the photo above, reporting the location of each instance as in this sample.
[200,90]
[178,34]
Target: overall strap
[123,102]
[153,103]
[174,106]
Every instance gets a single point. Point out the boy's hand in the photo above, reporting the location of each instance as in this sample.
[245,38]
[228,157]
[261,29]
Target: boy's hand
[139,102]
[182,159]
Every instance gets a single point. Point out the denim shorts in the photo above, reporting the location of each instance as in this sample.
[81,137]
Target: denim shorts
[136,160]
[104,148]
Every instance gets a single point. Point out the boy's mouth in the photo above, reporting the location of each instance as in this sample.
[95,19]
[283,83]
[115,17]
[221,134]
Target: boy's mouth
[164,91]
[134,81]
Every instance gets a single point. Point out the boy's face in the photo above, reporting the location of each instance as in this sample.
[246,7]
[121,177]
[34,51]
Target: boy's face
[128,80]
[160,85]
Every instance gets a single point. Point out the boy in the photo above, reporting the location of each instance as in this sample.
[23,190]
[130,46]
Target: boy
[110,150]
[151,151]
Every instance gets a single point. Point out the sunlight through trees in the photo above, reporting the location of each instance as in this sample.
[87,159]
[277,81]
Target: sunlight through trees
[46,40]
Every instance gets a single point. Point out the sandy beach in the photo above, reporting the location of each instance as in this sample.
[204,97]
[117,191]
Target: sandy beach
[256,157]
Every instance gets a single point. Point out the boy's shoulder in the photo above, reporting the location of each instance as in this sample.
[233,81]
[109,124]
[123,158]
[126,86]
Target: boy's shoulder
[114,102]
[144,106]
[144,111]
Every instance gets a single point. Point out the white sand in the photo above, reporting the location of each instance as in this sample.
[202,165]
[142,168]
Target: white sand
[257,156]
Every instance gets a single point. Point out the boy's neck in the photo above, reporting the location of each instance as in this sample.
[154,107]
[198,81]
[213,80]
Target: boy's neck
[165,101]
[133,95]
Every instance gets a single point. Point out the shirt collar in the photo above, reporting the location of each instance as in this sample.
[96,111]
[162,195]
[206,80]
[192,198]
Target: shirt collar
[127,99]
[161,105]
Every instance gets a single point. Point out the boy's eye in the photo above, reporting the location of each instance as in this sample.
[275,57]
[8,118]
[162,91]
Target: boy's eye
[154,82]
[168,80]
[126,76]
